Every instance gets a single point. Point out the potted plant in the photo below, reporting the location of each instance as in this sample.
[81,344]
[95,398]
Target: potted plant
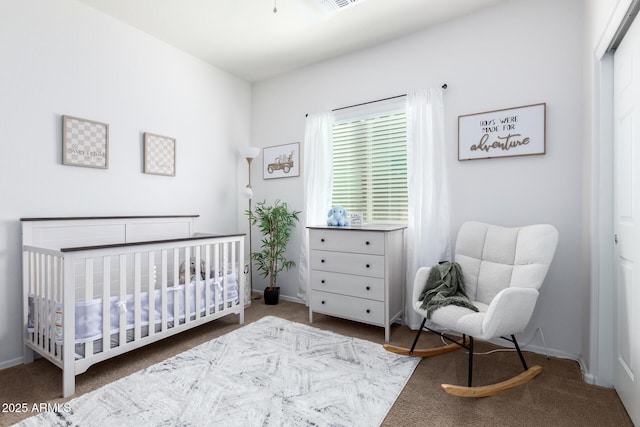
[275,223]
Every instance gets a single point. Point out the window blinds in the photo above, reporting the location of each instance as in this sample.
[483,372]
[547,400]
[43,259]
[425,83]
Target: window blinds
[370,163]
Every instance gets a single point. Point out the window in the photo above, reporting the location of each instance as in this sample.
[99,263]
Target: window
[370,162]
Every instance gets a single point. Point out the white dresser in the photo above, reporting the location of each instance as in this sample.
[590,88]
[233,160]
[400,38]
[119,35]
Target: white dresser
[358,273]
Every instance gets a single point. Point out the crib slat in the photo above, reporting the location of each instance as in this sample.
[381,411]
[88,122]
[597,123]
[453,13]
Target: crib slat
[207,279]
[187,285]
[49,296]
[234,267]
[58,303]
[57,278]
[51,286]
[176,287]
[122,339]
[198,283]
[225,263]
[45,306]
[217,272]
[163,284]
[49,323]
[152,294]
[88,294]
[106,303]
[236,272]
[45,319]
[137,306]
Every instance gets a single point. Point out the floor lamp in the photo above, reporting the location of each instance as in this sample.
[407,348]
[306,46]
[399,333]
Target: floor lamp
[249,153]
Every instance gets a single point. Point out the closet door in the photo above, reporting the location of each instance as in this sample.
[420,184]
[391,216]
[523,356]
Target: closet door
[627,220]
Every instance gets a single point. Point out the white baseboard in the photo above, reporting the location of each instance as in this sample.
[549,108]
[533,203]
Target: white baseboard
[10,363]
[550,352]
[283,297]
[292,299]
[587,376]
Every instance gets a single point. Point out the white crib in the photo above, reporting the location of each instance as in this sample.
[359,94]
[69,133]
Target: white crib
[95,288]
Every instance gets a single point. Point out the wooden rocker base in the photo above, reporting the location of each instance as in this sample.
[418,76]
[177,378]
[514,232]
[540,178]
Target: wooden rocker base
[492,389]
[424,352]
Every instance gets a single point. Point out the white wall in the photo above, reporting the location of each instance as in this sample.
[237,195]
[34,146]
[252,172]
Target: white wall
[65,58]
[517,53]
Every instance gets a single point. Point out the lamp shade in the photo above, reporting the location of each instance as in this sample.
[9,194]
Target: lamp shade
[249,152]
[247,192]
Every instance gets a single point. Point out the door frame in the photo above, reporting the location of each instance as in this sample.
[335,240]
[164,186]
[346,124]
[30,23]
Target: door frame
[601,313]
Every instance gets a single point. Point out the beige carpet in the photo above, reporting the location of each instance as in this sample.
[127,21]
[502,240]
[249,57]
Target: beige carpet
[558,397]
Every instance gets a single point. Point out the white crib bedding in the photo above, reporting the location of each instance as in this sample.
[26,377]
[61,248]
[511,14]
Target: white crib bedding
[88,314]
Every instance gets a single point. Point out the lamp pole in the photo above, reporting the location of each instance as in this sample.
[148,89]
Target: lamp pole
[249,153]
[250,193]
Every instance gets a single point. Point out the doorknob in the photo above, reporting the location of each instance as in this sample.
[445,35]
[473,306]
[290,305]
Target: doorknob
[615,239]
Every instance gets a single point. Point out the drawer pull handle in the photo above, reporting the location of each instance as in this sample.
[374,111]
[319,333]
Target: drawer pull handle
[368,288]
[322,260]
[322,302]
[367,243]
[322,281]
[368,311]
[322,240]
[368,266]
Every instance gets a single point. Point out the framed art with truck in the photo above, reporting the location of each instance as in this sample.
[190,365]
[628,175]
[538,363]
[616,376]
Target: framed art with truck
[281,161]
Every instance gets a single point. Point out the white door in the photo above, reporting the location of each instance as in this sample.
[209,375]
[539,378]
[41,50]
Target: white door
[627,220]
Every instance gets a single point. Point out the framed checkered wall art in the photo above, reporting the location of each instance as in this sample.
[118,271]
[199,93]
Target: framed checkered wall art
[85,143]
[159,154]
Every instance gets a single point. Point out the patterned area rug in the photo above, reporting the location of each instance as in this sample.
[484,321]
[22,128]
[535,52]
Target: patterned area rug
[272,372]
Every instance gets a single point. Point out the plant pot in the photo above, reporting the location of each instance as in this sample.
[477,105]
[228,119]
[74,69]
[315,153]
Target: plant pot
[271,296]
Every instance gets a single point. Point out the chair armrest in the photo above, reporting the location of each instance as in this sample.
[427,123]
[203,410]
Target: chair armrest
[509,312]
[418,283]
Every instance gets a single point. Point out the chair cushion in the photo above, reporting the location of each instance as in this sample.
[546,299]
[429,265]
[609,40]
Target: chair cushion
[458,319]
[493,258]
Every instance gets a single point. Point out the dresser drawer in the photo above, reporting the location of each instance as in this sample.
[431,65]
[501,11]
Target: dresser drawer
[359,309]
[363,242]
[348,284]
[348,263]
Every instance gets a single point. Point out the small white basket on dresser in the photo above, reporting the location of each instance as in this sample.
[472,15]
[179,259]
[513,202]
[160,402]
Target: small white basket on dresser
[358,273]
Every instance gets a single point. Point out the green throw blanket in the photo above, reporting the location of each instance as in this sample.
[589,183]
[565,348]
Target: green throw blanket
[444,286]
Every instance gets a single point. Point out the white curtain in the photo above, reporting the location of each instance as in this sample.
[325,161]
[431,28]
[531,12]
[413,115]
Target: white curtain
[317,185]
[427,236]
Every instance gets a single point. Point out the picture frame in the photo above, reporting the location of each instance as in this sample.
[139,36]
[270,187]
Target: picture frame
[519,131]
[85,143]
[356,218]
[281,161]
[159,154]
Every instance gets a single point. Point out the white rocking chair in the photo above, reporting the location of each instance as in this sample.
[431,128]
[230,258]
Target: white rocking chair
[502,270]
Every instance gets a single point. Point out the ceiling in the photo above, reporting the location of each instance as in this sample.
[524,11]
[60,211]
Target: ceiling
[246,38]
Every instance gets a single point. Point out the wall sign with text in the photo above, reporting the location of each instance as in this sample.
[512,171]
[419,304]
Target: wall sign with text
[516,131]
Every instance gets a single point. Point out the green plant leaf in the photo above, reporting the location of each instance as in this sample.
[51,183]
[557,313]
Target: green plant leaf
[275,223]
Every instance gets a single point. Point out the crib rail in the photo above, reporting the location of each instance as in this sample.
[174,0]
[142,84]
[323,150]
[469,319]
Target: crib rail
[139,290]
